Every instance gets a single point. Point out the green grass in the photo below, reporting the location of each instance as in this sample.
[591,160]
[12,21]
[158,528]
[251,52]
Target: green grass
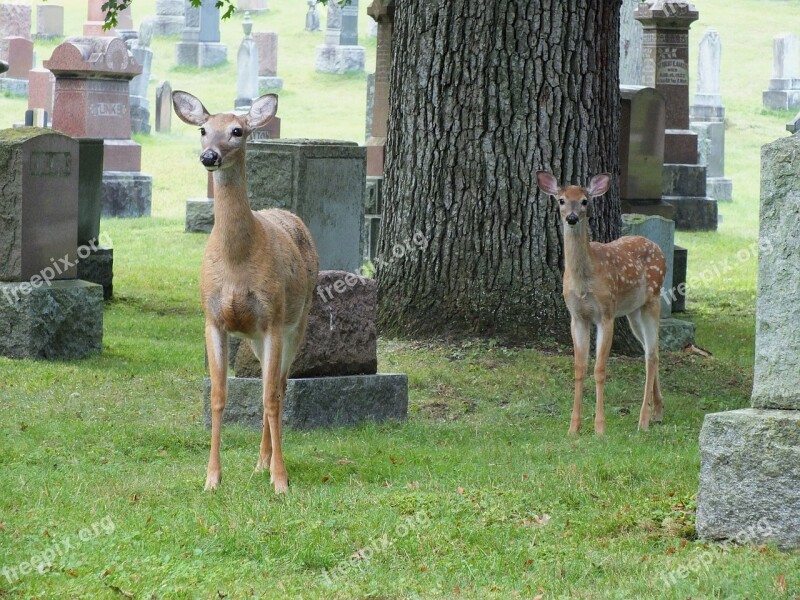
[479,494]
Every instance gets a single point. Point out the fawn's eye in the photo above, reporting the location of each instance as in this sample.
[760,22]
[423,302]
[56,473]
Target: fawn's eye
[585,202]
[237,132]
[202,131]
[561,201]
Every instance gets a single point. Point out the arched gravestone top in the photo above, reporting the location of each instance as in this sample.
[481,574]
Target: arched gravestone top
[93,57]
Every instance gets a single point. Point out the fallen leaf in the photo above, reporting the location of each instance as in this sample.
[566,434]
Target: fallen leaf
[424,568]
[72,573]
[671,550]
[325,479]
[413,485]
[460,490]
[780,583]
[121,592]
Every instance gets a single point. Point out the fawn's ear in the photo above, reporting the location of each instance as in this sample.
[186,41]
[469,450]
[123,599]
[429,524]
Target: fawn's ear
[262,110]
[547,183]
[599,185]
[189,109]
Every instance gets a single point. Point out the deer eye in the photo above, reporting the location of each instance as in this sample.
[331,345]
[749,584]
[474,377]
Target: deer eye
[561,201]
[585,202]
[202,131]
[237,132]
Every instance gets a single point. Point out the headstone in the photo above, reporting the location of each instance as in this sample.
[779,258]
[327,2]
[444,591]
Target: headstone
[201,45]
[143,55]
[708,118]
[382,12]
[41,86]
[93,27]
[341,337]
[267,44]
[247,63]
[92,100]
[666,68]
[641,152]
[333,378]
[630,45]
[169,19]
[661,231]
[49,21]
[312,16]
[783,92]
[750,458]
[20,62]
[47,312]
[164,107]
[15,20]
[321,181]
[332,56]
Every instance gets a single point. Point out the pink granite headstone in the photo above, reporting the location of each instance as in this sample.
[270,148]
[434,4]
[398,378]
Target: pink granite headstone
[41,86]
[20,57]
[93,27]
[92,98]
[267,44]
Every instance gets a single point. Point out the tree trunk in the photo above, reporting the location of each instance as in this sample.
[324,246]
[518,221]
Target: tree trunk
[484,94]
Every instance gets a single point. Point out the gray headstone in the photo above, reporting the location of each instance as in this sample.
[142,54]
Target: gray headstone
[164,107]
[709,65]
[209,22]
[642,144]
[333,26]
[662,232]
[750,459]
[349,34]
[783,92]
[247,68]
[38,204]
[630,45]
[323,182]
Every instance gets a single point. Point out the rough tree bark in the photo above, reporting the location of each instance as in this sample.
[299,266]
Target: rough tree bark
[484,94]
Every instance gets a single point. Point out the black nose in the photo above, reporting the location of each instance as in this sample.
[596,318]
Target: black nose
[209,158]
[572,219]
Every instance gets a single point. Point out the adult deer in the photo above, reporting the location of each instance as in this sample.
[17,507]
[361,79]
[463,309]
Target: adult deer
[602,282]
[258,274]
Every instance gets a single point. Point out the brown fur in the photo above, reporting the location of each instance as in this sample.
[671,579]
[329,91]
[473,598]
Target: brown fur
[257,279]
[602,282]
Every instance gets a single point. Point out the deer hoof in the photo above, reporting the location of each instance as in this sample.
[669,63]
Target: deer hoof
[281,487]
[600,428]
[212,481]
[263,464]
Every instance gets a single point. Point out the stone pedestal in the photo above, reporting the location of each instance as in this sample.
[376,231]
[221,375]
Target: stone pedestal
[49,21]
[199,215]
[321,181]
[98,268]
[340,59]
[62,320]
[666,68]
[127,194]
[318,401]
[169,17]
[201,45]
[750,459]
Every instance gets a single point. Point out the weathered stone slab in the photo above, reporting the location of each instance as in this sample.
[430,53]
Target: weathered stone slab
[127,194]
[694,213]
[38,203]
[199,215]
[341,338]
[777,368]
[750,475]
[318,401]
[675,334]
[58,321]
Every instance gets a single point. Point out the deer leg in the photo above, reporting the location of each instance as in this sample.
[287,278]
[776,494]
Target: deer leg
[273,402]
[605,333]
[262,352]
[580,344]
[217,346]
[650,321]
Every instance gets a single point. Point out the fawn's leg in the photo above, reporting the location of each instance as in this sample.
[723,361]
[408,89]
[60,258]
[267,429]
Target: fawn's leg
[580,344]
[650,317]
[605,333]
[217,345]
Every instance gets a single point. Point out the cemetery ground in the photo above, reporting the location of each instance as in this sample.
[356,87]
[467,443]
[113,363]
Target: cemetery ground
[480,493]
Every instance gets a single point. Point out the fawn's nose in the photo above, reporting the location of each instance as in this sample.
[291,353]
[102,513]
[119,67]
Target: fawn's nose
[210,159]
[572,219]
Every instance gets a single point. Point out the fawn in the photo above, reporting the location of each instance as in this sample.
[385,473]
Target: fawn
[602,282]
[258,274]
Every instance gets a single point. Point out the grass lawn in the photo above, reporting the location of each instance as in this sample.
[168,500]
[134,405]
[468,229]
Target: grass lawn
[479,494]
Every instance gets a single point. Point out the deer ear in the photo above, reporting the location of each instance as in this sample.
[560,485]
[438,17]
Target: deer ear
[189,109]
[262,110]
[599,185]
[547,183]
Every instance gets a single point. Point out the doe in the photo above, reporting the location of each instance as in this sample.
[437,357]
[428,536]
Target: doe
[258,274]
[602,282]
